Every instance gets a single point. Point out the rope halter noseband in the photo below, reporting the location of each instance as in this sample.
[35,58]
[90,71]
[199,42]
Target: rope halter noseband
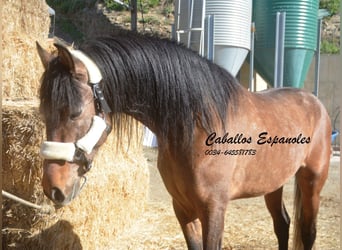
[75,151]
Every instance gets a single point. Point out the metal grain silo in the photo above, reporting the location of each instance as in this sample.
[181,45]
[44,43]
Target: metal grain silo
[300,38]
[232,27]
[232,31]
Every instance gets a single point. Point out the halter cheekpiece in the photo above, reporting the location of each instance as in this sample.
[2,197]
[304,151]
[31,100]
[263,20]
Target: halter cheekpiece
[76,152]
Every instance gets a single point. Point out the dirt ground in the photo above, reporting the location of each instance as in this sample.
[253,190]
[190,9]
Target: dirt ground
[248,224]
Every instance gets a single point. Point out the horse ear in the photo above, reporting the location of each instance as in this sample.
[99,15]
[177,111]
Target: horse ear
[65,57]
[44,55]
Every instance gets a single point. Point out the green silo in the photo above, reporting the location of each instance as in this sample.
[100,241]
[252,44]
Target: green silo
[300,38]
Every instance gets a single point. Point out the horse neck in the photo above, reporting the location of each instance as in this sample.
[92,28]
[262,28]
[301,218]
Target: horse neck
[133,95]
[159,86]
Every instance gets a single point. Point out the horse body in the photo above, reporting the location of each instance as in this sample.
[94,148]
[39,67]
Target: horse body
[257,114]
[200,183]
[217,142]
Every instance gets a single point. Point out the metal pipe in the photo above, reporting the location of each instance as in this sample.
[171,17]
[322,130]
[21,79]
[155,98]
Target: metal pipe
[318,56]
[191,2]
[251,60]
[178,20]
[201,47]
[209,27]
[279,50]
[134,9]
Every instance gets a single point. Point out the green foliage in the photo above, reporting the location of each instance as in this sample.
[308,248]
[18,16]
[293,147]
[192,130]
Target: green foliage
[143,5]
[112,5]
[329,47]
[150,20]
[167,10]
[333,6]
[152,3]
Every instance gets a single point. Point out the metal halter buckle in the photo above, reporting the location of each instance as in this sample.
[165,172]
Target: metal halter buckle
[102,104]
[80,157]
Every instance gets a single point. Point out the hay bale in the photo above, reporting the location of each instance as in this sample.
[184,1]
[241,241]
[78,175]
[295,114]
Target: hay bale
[115,194]
[26,22]
[113,198]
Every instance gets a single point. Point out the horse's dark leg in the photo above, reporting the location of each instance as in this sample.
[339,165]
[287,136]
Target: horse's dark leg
[191,227]
[281,220]
[212,226]
[310,185]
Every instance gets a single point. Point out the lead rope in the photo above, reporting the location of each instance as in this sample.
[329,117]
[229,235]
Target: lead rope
[46,209]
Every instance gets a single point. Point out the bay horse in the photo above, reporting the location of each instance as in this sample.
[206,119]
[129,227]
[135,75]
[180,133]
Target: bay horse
[216,140]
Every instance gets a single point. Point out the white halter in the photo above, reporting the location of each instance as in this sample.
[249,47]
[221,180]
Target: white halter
[94,73]
[66,150]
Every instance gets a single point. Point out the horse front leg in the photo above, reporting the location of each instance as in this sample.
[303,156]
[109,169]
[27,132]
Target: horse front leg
[191,227]
[213,226]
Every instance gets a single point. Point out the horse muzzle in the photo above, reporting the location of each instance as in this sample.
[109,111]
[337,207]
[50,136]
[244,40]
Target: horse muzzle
[61,193]
[62,172]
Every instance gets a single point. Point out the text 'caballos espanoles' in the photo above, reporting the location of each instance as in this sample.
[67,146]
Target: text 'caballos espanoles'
[263,139]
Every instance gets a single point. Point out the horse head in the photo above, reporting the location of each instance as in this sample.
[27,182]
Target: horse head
[76,117]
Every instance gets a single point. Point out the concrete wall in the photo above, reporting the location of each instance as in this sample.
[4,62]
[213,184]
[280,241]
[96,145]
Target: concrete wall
[330,81]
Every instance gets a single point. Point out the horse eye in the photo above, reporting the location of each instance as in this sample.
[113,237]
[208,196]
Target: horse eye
[74,115]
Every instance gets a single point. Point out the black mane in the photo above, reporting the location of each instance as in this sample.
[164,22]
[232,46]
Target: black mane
[164,85]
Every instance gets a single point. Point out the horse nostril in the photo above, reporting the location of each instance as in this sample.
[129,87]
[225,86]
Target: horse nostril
[57,195]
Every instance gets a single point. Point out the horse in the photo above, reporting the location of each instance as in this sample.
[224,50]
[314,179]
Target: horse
[217,141]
